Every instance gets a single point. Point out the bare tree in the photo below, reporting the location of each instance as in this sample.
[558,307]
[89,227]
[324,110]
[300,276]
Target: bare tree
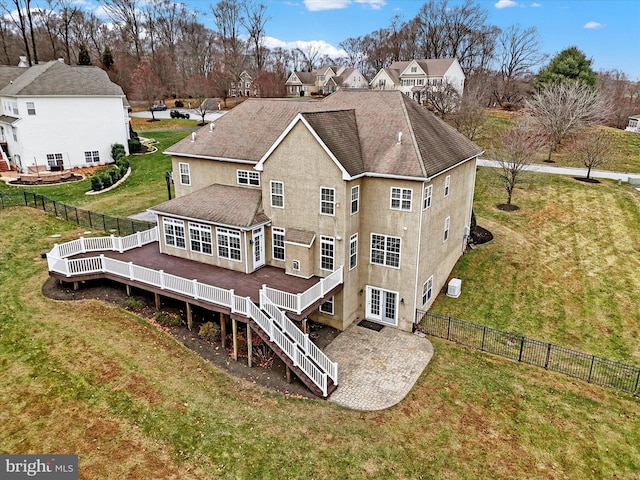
[146,86]
[199,89]
[562,107]
[126,15]
[254,21]
[20,22]
[519,52]
[622,94]
[442,99]
[592,149]
[310,55]
[470,118]
[515,151]
[228,20]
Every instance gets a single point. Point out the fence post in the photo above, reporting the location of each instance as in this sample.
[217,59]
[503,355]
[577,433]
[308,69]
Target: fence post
[26,202]
[521,348]
[546,362]
[55,209]
[44,208]
[449,329]
[118,226]
[484,331]
[593,357]
[66,267]
[102,263]
[77,219]
[139,239]
[104,223]
[161,279]
[66,216]
[195,288]
[635,390]
[130,270]
[90,222]
[82,244]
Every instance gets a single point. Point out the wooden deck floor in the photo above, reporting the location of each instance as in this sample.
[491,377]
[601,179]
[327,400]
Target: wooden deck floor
[244,284]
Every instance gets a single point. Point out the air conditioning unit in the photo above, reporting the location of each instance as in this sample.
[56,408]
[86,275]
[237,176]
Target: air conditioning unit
[454,288]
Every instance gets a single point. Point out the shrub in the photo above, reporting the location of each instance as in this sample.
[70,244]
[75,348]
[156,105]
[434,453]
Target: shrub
[167,319]
[135,146]
[133,304]
[178,104]
[106,179]
[209,331]
[114,173]
[96,182]
[116,149]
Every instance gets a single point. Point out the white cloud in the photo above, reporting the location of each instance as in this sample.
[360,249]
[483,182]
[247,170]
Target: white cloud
[321,46]
[593,25]
[535,5]
[318,5]
[505,4]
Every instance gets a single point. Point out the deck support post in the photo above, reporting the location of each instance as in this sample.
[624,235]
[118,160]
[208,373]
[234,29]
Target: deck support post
[234,329]
[304,325]
[288,372]
[223,329]
[189,317]
[156,297]
[128,288]
[76,286]
[249,347]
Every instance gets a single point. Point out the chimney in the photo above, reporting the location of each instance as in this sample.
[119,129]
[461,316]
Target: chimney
[23,61]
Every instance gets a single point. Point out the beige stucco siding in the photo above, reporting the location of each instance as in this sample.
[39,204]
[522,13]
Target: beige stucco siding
[438,257]
[206,172]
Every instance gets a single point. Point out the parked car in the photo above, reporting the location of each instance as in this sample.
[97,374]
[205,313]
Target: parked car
[158,107]
[178,114]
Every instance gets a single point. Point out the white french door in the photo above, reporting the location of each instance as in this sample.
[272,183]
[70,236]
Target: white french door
[382,305]
[258,247]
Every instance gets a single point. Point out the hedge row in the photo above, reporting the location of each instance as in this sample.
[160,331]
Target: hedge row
[110,175]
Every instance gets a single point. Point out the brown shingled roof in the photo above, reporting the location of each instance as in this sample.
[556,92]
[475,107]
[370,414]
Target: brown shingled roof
[360,127]
[302,237]
[219,204]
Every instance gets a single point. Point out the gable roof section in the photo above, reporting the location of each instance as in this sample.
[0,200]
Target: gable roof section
[219,204]
[9,74]
[359,127]
[57,78]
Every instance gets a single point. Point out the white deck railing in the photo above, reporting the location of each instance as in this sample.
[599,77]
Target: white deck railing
[297,302]
[281,330]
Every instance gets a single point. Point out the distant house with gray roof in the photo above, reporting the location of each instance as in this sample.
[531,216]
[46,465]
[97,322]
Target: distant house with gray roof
[366,182]
[56,117]
[414,77]
[324,80]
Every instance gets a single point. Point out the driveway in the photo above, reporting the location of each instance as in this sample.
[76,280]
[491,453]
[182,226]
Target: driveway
[574,172]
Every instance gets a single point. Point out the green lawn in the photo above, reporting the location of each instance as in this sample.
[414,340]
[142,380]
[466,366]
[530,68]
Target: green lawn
[144,188]
[88,378]
[563,269]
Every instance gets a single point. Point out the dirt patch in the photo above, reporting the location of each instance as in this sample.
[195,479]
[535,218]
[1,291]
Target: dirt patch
[586,180]
[481,235]
[271,377]
[507,207]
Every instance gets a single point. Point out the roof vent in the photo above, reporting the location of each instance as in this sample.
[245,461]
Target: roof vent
[211,127]
[399,138]
[193,137]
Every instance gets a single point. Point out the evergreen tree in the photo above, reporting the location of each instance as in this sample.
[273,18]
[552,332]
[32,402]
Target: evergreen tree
[107,58]
[569,64]
[83,56]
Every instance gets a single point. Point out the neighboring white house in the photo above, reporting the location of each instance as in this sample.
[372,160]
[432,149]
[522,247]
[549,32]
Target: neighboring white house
[325,80]
[57,116]
[634,124]
[413,77]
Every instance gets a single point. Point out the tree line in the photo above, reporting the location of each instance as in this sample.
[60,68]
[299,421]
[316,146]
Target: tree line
[159,43]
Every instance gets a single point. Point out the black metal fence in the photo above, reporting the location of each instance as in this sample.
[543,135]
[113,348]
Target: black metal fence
[590,368]
[83,218]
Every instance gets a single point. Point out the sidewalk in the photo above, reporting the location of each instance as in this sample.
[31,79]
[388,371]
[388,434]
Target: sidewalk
[575,172]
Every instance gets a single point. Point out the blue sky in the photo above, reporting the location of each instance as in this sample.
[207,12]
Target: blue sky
[605,30]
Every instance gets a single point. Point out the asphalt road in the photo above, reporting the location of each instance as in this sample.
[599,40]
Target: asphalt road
[209,117]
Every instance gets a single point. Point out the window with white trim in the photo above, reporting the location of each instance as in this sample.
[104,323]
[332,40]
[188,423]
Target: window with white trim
[277,194]
[355,199]
[31,108]
[14,107]
[200,238]
[173,232]
[447,222]
[385,250]
[247,177]
[401,198]
[277,241]
[228,244]
[92,156]
[327,201]
[185,174]
[426,199]
[353,251]
[427,290]
[327,306]
[327,250]
[54,159]
[447,185]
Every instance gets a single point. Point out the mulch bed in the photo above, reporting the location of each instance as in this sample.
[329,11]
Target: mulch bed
[272,378]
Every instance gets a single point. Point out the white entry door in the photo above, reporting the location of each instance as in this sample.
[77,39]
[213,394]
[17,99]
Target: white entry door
[258,247]
[382,305]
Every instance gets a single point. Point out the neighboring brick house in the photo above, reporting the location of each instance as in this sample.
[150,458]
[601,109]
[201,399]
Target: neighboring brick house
[243,86]
[57,116]
[413,77]
[324,80]
[366,180]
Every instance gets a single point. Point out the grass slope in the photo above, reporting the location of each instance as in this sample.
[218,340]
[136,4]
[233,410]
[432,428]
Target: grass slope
[88,378]
[563,269]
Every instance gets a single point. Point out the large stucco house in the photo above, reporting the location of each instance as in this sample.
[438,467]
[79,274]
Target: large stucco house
[367,181]
[57,116]
[324,80]
[414,77]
